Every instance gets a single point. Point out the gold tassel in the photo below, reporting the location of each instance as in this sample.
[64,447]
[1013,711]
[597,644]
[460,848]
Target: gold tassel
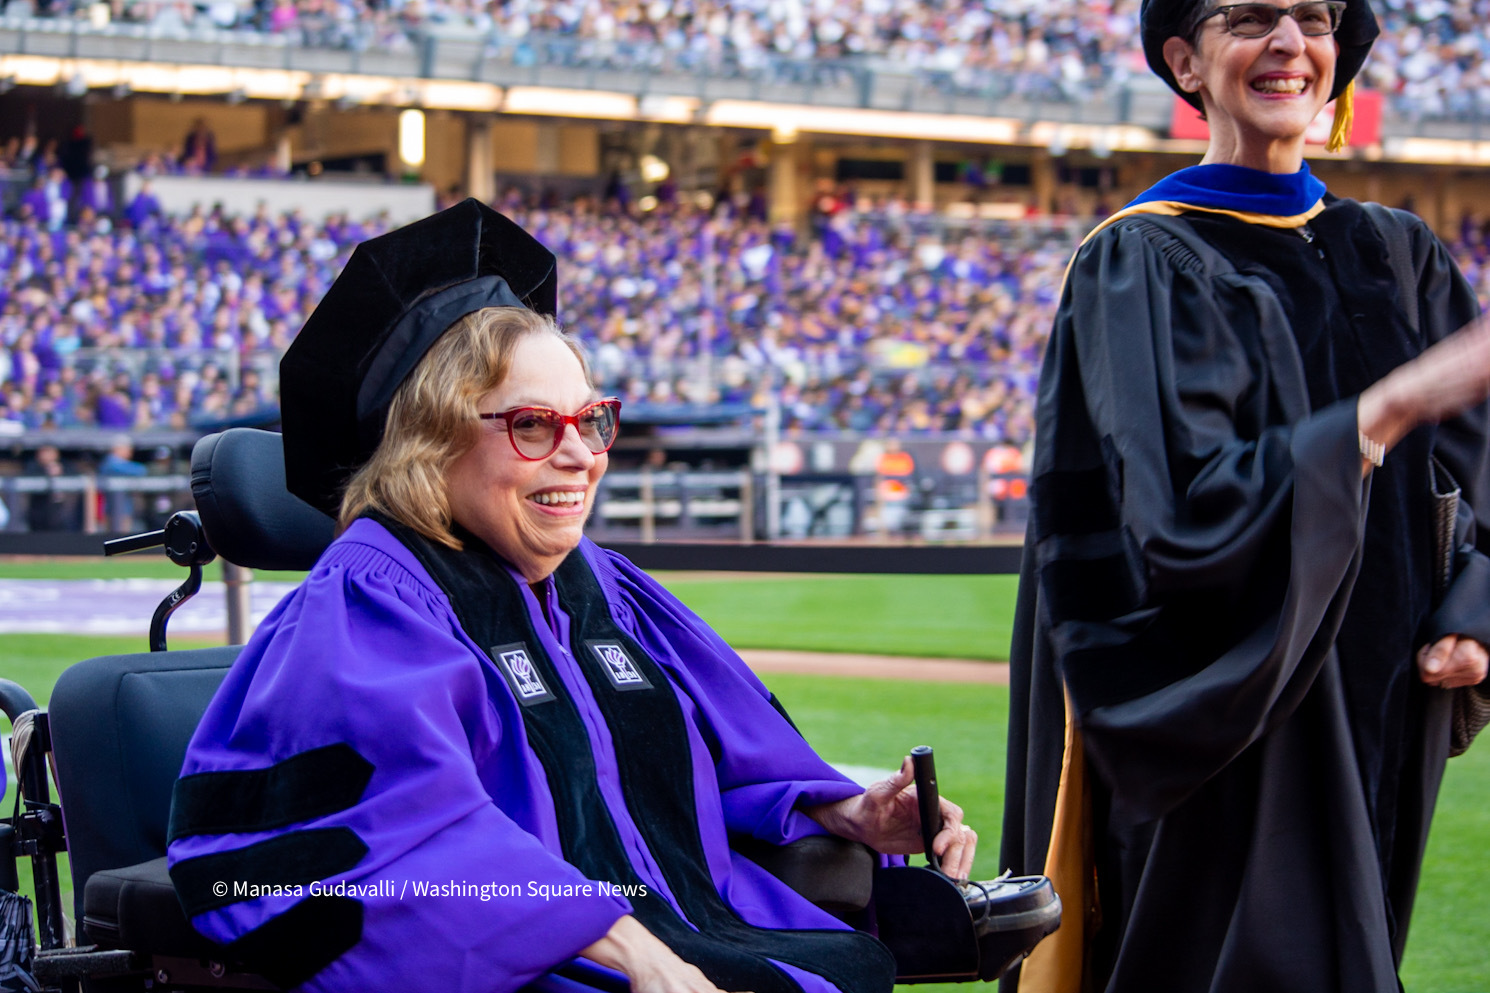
[1344,116]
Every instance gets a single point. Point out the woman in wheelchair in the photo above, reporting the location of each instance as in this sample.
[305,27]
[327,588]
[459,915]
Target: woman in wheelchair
[474,748]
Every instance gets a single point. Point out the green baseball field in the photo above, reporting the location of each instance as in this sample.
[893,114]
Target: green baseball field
[873,722]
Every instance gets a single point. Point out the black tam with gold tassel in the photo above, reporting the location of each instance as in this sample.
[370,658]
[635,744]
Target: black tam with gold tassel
[1165,19]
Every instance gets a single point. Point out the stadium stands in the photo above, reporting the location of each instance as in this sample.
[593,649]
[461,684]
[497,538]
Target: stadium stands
[874,322]
[1433,59]
[120,312]
[154,321]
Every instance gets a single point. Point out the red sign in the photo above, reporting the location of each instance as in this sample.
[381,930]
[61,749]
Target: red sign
[1185,121]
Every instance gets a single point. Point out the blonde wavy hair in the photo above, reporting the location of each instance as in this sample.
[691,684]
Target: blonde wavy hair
[433,421]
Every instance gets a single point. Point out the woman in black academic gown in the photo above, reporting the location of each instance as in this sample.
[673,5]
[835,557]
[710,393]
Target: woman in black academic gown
[1233,675]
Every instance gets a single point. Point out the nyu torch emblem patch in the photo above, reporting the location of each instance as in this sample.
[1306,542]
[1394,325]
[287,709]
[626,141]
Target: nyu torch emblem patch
[618,666]
[521,674]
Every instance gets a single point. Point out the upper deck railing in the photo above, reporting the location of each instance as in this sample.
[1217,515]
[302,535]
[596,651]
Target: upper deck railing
[642,70]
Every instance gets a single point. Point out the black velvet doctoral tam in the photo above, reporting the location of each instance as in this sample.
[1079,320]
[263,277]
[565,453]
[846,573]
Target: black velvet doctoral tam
[397,295]
[1161,20]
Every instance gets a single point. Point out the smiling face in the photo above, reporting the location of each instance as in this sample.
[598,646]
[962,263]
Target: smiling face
[531,513]
[1260,94]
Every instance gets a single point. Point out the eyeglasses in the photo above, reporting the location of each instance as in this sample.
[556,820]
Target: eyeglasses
[1257,20]
[537,432]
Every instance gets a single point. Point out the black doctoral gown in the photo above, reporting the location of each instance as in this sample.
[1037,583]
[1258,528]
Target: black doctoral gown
[1232,610]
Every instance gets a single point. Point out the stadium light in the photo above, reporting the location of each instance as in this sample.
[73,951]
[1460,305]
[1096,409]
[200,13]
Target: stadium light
[670,109]
[454,94]
[853,120]
[411,137]
[205,79]
[124,77]
[653,169]
[352,90]
[552,102]
[1098,137]
[1438,151]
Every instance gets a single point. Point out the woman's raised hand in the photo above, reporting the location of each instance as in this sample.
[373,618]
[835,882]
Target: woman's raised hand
[1445,380]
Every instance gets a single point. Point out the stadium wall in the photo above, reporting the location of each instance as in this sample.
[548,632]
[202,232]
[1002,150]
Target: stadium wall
[242,197]
[147,125]
[476,152]
[251,134]
[537,147]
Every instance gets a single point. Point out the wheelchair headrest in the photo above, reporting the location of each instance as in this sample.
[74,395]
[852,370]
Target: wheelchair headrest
[238,481]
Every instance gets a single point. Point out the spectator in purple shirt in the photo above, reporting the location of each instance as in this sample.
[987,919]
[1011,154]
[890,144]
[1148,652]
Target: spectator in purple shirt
[144,206]
[113,409]
[95,193]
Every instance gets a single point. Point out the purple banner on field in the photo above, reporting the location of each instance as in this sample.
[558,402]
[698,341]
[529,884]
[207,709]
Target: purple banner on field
[120,606]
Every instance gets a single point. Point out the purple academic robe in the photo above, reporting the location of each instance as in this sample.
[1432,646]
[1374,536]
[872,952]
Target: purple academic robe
[368,651]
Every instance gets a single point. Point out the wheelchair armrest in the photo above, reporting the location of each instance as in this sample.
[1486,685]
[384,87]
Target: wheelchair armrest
[136,908]
[832,872]
[14,700]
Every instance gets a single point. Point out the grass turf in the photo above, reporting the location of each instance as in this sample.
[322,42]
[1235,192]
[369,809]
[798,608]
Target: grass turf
[968,617]
[1446,949]
[874,722]
[937,616]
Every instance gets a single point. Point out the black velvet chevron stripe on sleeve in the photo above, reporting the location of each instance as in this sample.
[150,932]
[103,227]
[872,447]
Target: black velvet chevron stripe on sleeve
[289,949]
[294,859]
[303,787]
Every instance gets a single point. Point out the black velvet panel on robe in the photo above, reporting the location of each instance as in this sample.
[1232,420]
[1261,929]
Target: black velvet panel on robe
[647,731]
[1232,611]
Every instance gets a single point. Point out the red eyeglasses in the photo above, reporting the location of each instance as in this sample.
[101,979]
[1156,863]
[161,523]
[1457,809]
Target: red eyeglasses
[537,432]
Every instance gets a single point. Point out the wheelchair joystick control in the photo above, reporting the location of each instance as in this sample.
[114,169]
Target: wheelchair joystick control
[186,545]
[928,801]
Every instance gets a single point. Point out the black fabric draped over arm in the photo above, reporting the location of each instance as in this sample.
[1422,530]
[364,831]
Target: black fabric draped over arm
[1197,527]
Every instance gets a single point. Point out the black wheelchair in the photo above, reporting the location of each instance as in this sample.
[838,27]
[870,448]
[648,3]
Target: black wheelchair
[116,732]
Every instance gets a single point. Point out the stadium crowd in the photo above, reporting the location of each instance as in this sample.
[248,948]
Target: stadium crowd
[876,320]
[1433,58]
[138,321]
[862,325]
